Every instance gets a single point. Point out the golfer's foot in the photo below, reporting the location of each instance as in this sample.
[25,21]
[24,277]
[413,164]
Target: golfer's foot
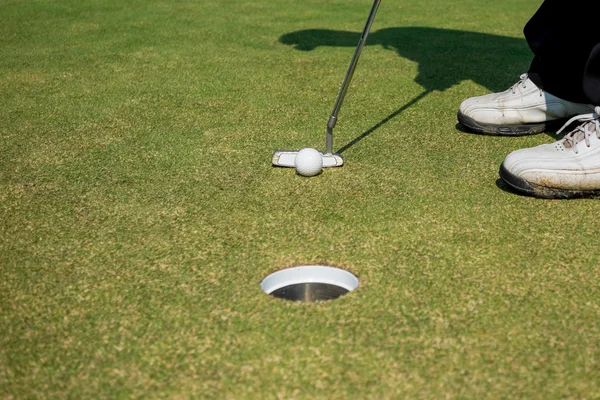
[524,109]
[568,168]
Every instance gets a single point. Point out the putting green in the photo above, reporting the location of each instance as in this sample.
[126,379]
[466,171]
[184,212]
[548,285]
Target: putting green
[139,211]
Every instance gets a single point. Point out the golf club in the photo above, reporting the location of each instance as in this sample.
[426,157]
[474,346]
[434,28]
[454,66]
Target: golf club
[287,158]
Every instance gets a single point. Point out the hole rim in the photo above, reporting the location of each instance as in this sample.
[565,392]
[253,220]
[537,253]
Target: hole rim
[302,274]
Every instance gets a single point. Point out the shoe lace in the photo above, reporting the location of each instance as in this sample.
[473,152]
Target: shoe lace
[522,83]
[590,125]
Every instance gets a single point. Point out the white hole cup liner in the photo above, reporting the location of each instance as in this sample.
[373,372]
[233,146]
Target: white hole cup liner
[309,274]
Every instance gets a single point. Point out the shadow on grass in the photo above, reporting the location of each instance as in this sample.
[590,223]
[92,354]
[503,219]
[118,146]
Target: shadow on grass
[445,58]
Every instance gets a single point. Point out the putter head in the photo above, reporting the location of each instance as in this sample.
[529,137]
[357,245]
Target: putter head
[287,158]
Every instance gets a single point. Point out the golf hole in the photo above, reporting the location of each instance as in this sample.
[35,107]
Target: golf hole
[309,283]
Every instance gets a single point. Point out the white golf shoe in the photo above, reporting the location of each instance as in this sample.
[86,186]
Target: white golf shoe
[523,109]
[568,168]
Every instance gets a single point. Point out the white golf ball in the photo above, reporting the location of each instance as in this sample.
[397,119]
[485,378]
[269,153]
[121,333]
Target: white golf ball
[309,162]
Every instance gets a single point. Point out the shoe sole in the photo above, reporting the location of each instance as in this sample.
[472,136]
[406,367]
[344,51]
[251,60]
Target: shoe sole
[509,130]
[521,186]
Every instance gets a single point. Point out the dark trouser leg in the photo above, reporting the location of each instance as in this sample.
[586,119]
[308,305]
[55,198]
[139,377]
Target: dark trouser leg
[565,40]
[591,77]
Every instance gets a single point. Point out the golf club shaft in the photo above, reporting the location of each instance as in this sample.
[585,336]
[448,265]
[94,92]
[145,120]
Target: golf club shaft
[340,99]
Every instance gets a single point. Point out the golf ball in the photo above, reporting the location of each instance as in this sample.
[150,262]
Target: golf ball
[309,162]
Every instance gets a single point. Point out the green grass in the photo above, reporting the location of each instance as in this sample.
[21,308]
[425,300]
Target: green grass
[139,210]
